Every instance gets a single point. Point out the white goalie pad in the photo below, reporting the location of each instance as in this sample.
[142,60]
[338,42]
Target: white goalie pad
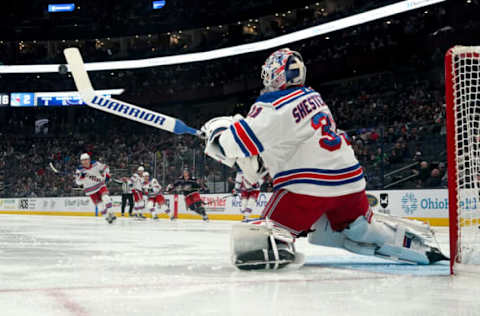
[386,236]
[324,235]
[418,227]
[262,247]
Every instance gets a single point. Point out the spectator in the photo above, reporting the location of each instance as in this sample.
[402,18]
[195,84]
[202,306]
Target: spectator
[435,180]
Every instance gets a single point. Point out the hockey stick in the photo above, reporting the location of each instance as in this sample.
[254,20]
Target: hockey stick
[55,170]
[61,173]
[117,107]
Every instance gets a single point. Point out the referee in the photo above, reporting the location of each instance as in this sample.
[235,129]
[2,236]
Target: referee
[126,195]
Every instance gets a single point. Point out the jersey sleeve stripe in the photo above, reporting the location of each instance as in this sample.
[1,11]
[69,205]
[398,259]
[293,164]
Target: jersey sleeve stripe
[239,142]
[252,135]
[243,139]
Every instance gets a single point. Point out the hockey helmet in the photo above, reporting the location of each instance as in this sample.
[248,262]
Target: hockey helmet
[282,69]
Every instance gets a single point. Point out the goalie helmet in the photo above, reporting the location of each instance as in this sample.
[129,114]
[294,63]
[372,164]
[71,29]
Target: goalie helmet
[282,69]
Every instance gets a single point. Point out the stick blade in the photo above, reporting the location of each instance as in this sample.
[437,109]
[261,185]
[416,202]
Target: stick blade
[53,168]
[80,76]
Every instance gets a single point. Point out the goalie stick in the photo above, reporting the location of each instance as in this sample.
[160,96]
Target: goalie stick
[117,107]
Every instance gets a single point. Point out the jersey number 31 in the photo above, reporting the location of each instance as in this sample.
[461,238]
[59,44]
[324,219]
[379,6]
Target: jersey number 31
[330,140]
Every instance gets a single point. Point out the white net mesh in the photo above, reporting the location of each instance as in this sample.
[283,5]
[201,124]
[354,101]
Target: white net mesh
[466,105]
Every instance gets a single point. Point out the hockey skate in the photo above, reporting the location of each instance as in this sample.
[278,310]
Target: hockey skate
[245,214]
[138,216]
[110,218]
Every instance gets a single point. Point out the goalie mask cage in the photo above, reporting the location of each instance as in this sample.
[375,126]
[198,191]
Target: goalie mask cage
[462,91]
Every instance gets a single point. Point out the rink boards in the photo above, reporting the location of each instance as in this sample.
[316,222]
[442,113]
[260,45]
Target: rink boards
[426,205]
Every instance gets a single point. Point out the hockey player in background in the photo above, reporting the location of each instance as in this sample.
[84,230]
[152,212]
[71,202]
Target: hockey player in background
[319,186]
[93,176]
[189,187]
[248,194]
[155,199]
[137,190]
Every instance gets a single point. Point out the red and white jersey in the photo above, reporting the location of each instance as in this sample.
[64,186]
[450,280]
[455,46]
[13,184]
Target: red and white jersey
[137,182]
[294,133]
[152,188]
[241,184]
[92,179]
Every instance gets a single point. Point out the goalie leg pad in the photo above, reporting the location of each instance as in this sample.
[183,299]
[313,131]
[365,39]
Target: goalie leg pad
[261,247]
[390,241]
[264,259]
[324,235]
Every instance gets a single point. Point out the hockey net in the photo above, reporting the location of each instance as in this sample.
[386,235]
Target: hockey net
[462,88]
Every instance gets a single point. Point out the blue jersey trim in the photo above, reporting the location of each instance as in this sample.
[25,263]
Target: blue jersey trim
[252,135]
[319,182]
[281,105]
[239,142]
[327,171]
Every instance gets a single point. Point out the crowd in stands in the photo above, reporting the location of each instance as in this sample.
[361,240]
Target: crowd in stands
[409,131]
[395,116]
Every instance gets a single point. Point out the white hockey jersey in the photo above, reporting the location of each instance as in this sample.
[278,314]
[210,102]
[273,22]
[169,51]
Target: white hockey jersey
[137,182]
[294,133]
[152,188]
[92,179]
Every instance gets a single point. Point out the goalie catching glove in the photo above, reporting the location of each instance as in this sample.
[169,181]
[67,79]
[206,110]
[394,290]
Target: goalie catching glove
[219,148]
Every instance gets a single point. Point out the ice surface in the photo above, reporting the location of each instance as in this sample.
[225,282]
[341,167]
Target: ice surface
[82,266]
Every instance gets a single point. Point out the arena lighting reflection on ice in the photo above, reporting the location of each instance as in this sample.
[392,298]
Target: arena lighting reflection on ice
[321,29]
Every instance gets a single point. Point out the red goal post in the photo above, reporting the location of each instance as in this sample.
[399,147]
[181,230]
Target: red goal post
[462,94]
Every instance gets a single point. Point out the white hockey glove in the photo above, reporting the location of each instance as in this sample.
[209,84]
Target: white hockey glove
[252,167]
[212,130]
